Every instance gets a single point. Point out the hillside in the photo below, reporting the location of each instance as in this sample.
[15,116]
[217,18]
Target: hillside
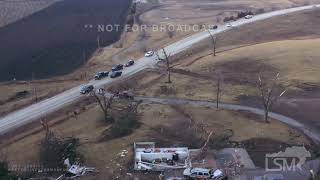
[297,61]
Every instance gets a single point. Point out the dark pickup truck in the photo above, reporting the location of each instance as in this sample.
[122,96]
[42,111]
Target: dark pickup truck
[117,67]
[86,89]
[115,74]
[101,75]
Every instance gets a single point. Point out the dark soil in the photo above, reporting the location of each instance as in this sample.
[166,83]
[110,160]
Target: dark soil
[258,148]
[245,71]
[304,110]
[56,40]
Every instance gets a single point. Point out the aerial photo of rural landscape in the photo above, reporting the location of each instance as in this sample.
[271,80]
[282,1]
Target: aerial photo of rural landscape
[160,89]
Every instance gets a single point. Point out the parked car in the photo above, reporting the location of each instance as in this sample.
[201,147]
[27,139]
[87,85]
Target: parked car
[115,74]
[214,27]
[101,75]
[86,89]
[229,25]
[198,173]
[117,67]
[129,63]
[125,95]
[149,54]
[248,16]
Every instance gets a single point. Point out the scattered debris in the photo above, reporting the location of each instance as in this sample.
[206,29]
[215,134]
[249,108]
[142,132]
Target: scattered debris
[123,153]
[75,170]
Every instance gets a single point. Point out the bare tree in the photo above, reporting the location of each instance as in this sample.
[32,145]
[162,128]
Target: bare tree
[213,42]
[34,88]
[126,120]
[268,94]
[104,102]
[204,149]
[166,56]
[45,126]
[219,80]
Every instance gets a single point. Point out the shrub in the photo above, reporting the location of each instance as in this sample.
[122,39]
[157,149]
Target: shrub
[54,151]
[231,18]
[222,140]
[243,14]
[5,174]
[3,169]
[124,125]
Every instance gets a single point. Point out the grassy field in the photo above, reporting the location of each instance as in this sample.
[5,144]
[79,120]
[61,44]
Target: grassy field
[293,26]
[213,12]
[104,155]
[240,60]
[297,61]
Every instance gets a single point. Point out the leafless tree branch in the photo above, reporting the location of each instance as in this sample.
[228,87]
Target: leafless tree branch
[268,95]
[104,101]
[167,56]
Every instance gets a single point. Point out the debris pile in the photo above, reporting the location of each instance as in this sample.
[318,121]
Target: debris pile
[75,170]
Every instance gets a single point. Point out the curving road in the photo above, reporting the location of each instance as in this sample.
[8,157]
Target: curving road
[315,136]
[28,114]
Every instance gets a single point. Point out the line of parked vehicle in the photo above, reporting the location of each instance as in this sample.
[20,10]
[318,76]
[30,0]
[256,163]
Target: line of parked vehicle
[229,25]
[116,71]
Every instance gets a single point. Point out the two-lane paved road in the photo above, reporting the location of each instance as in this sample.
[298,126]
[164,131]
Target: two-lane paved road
[28,114]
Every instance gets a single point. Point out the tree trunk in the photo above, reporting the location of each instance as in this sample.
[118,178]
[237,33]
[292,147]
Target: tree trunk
[214,47]
[266,116]
[169,76]
[217,103]
[168,66]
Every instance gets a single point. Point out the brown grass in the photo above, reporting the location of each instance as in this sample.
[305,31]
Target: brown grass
[104,155]
[212,12]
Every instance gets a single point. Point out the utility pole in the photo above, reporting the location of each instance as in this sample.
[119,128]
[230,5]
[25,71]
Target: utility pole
[34,89]
[213,42]
[168,65]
